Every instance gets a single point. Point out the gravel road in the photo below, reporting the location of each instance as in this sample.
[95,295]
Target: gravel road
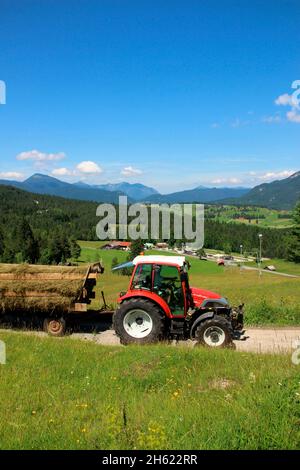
[258,340]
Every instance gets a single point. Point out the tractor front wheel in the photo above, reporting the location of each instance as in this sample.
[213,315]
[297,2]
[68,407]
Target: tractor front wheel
[138,321]
[215,332]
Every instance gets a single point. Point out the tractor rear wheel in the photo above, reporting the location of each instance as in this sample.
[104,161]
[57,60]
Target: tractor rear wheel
[215,332]
[138,321]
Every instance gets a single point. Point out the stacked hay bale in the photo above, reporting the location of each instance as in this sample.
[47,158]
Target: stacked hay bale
[35,288]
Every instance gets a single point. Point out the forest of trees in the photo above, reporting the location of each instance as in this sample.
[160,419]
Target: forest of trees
[43,229]
[39,228]
[294,238]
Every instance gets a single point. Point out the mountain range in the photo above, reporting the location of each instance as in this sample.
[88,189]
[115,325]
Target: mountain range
[43,184]
[282,194]
[136,191]
[199,194]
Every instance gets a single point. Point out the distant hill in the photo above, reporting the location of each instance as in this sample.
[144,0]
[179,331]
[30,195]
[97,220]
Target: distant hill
[135,191]
[43,184]
[199,194]
[282,194]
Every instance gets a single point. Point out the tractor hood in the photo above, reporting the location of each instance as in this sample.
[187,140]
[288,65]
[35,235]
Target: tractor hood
[199,295]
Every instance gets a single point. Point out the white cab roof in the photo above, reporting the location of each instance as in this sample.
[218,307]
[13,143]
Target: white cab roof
[176,260]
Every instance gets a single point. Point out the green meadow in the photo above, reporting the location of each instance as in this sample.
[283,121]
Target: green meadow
[70,394]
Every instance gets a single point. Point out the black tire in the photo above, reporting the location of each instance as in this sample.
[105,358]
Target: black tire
[208,331]
[155,333]
[55,326]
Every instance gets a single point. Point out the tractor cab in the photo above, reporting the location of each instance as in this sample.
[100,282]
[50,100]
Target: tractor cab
[165,277]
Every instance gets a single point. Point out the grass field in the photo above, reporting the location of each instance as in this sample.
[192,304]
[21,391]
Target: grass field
[269,299]
[65,393]
[281,266]
[260,216]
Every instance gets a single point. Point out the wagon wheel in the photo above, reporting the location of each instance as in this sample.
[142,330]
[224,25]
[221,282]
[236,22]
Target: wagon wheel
[55,326]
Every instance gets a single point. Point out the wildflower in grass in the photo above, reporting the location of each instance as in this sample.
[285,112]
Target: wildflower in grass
[252,377]
[154,437]
[83,430]
[175,395]
[51,421]
[33,412]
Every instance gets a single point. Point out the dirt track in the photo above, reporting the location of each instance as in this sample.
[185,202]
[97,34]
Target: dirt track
[259,340]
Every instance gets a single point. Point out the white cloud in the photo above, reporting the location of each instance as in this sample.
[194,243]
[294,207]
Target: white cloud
[251,178]
[236,123]
[215,125]
[239,123]
[231,180]
[11,175]
[271,119]
[38,156]
[88,167]
[293,116]
[292,101]
[63,172]
[272,175]
[285,100]
[130,171]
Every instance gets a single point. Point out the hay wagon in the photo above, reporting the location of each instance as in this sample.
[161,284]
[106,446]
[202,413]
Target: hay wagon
[50,293]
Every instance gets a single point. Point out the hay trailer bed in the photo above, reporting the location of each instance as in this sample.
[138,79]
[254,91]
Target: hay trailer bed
[52,294]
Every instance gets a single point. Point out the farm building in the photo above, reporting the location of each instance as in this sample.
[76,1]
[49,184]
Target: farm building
[162,245]
[117,245]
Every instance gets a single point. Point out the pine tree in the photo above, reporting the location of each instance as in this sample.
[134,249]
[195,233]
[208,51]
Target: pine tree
[137,246]
[59,249]
[25,243]
[2,246]
[75,249]
[115,262]
[294,240]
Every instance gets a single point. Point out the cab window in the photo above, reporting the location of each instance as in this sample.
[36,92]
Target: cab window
[167,284]
[142,277]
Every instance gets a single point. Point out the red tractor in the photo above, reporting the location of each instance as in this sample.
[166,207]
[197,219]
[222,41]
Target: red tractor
[160,304]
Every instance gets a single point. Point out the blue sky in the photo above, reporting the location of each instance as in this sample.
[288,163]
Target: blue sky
[172,94]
